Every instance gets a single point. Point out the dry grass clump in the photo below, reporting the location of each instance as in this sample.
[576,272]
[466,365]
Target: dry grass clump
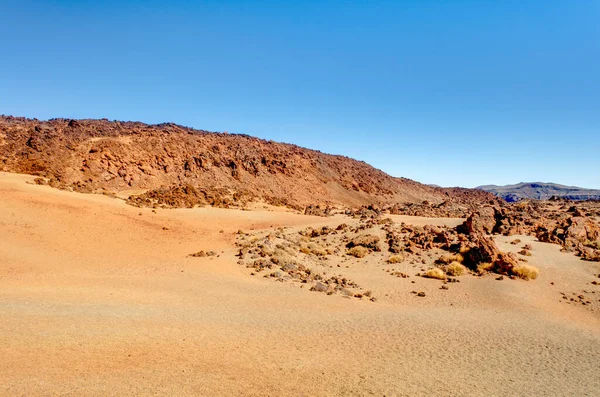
[436,273]
[395,259]
[282,257]
[456,269]
[526,272]
[592,244]
[281,249]
[202,254]
[305,250]
[313,249]
[449,258]
[484,267]
[358,251]
[317,249]
[320,252]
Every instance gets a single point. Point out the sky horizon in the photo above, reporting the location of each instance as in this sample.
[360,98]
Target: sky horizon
[464,94]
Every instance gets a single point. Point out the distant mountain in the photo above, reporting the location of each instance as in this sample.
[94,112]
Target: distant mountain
[540,191]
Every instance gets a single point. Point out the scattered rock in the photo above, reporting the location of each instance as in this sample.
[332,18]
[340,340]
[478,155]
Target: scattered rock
[368,241]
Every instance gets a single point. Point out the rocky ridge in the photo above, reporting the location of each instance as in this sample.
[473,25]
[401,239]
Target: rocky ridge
[170,165]
[541,191]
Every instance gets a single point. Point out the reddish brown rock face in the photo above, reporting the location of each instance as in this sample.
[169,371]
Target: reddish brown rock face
[581,229]
[366,240]
[479,249]
[505,263]
[482,221]
[91,155]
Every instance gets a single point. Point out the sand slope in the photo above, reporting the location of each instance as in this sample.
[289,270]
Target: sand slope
[96,299]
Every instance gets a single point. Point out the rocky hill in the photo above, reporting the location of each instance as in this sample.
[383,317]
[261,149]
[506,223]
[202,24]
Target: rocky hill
[179,166]
[541,191]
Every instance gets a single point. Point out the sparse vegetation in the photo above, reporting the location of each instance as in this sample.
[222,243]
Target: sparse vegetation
[456,269]
[449,258]
[395,259]
[358,251]
[592,244]
[526,272]
[485,267]
[436,273]
[464,249]
[313,249]
[305,250]
[202,254]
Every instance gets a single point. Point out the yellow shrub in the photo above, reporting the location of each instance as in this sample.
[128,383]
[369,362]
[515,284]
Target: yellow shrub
[313,249]
[485,267]
[305,250]
[464,249]
[436,272]
[319,251]
[456,269]
[526,272]
[358,251]
[449,258]
[396,259]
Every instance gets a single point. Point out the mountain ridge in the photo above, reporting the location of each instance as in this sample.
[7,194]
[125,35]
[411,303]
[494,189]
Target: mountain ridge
[120,156]
[541,191]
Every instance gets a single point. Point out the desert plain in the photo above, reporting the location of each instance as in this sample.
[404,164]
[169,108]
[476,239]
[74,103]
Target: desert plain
[98,297]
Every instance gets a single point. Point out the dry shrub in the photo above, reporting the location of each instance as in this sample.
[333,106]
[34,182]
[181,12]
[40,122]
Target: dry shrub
[592,244]
[281,257]
[485,267]
[449,258]
[526,272]
[436,272]
[305,250]
[358,251]
[456,269]
[464,249]
[313,249]
[395,259]
[319,251]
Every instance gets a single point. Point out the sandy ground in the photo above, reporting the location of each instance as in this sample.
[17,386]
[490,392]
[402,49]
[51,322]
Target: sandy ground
[100,298]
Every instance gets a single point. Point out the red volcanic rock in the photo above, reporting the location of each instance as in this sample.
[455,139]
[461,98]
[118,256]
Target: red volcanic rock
[482,221]
[479,249]
[102,155]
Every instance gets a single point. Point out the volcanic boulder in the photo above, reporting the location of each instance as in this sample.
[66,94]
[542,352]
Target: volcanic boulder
[365,240]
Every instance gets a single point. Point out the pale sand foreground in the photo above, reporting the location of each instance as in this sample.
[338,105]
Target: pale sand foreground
[98,300]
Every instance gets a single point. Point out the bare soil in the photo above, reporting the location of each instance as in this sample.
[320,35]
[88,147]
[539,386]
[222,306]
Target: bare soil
[101,298]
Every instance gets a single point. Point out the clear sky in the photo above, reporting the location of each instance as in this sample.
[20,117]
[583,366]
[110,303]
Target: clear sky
[446,92]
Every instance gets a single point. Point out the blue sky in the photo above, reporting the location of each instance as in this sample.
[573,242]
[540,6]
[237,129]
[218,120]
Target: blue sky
[446,92]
